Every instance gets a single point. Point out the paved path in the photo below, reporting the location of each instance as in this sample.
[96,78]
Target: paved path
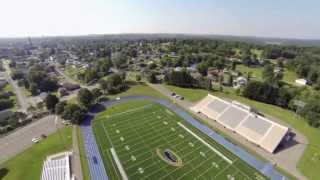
[287,158]
[95,162]
[76,163]
[20,140]
[20,97]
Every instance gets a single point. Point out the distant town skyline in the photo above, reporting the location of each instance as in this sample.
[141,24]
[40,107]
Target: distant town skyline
[279,19]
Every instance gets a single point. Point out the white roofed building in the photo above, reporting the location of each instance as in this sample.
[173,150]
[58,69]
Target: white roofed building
[301,82]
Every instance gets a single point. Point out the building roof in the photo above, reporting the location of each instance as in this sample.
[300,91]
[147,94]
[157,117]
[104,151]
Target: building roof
[57,167]
[239,118]
[301,81]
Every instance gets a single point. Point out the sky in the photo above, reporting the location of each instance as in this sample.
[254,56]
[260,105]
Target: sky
[266,18]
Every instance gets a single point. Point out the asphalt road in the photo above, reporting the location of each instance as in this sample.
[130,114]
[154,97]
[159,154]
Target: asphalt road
[20,140]
[20,98]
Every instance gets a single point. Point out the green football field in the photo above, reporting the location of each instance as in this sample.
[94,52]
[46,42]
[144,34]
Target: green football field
[144,140]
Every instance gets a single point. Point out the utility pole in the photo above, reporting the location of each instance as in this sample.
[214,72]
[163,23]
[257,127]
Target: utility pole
[56,122]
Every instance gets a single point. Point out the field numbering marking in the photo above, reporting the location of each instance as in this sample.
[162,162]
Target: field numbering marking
[205,143]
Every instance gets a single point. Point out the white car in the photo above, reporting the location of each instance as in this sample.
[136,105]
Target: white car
[36,139]
[118,98]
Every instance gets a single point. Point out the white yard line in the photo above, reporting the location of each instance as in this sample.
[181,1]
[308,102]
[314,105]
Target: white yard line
[131,110]
[119,165]
[107,153]
[205,143]
[208,169]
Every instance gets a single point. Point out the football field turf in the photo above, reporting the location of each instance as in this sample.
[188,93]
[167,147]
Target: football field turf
[144,140]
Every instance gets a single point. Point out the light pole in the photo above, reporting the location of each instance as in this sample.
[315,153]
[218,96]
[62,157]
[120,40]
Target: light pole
[56,122]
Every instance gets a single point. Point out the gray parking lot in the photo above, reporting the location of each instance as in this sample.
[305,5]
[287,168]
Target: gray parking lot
[20,140]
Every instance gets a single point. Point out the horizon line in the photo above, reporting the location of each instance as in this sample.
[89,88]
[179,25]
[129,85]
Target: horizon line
[158,33]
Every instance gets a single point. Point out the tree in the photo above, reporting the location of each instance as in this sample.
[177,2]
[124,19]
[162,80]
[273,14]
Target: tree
[317,84]
[115,83]
[59,108]
[51,100]
[39,80]
[138,78]
[90,75]
[203,68]
[234,65]
[103,66]
[103,85]
[152,66]
[96,93]
[74,113]
[152,78]
[85,97]
[179,78]
[268,73]
[5,104]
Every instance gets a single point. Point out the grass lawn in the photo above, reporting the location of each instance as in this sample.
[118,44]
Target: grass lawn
[256,71]
[163,146]
[140,89]
[257,52]
[289,76]
[28,164]
[72,72]
[83,159]
[131,75]
[310,161]
[25,92]
[192,95]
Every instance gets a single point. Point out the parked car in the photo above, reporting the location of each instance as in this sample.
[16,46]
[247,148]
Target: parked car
[36,139]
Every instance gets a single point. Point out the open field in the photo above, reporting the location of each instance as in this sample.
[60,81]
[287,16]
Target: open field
[256,71]
[192,95]
[309,164]
[28,165]
[139,89]
[288,76]
[156,128]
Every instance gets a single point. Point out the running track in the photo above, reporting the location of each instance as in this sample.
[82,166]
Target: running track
[95,162]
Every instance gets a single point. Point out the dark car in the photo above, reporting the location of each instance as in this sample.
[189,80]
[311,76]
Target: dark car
[95,160]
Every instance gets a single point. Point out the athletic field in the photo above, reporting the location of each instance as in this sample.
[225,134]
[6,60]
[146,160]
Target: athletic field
[144,140]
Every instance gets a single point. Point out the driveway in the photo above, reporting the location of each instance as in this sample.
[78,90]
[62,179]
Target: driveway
[20,139]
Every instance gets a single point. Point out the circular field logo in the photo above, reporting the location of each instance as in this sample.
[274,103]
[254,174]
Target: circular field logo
[169,157]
